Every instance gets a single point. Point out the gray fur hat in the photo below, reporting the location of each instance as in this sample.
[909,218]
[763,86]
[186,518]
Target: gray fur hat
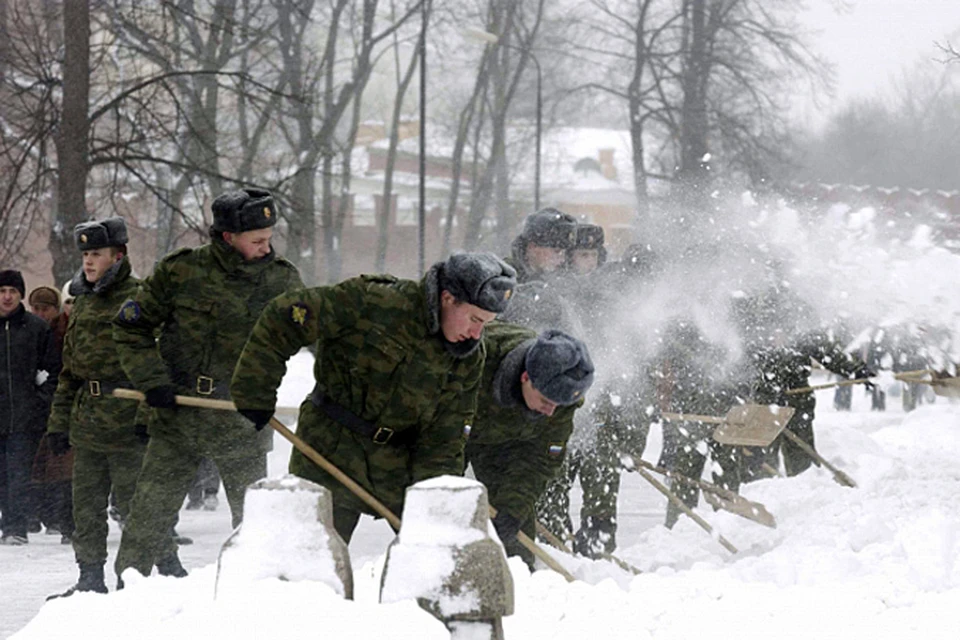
[550,228]
[97,234]
[244,210]
[559,367]
[480,279]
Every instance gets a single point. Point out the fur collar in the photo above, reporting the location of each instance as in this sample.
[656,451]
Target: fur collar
[431,289]
[507,392]
[79,285]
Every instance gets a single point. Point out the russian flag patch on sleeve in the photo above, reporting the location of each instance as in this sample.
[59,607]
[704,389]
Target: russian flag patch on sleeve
[555,450]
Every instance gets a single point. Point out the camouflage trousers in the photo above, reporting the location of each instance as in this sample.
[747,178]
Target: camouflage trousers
[489,463]
[95,474]
[169,468]
[599,470]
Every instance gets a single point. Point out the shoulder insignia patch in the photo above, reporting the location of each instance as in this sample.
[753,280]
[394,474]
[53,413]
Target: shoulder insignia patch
[555,449]
[299,313]
[466,430]
[129,312]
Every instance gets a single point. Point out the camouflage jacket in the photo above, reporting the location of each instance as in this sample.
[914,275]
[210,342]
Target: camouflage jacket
[380,355]
[536,443]
[189,321]
[91,365]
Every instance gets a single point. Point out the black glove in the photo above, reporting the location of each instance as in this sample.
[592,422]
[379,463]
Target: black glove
[863,374]
[506,525]
[162,397]
[59,443]
[140,430]
[259,417]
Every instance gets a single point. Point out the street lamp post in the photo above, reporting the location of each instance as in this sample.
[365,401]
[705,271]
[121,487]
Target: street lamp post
[491,38]
[421,210]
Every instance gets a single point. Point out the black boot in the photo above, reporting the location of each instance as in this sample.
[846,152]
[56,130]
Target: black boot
[170,566]
[597,537]
[91,579]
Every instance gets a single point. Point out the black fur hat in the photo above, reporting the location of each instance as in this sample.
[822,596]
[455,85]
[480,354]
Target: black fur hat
[550,228]
[560,367]
[97,234]
[244,210]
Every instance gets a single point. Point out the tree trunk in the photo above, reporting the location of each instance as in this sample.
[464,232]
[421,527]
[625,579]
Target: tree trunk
[72,141]
[693,177]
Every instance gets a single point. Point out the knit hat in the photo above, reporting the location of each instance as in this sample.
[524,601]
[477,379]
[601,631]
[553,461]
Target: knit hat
[559,367]
[45,295]
[13,278]
[97,234]
[550,228]
[244,210]
[480,279]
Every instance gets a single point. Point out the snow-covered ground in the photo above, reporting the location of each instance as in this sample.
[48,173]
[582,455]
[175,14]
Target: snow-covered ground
[878,561]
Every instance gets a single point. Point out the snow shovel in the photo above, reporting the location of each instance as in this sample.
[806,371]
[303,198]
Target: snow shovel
[751,425]
[716,495]
[942,383]
[329,467]
[827,385]
[737,431]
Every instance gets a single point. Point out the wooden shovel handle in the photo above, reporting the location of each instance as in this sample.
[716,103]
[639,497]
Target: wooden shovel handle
[301,446]
[826,385]
[202,403]
[535,549]
[672,497]
[693,417]
[839,475]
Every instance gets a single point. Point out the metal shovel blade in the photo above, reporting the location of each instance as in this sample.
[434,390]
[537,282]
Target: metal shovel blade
[753,425]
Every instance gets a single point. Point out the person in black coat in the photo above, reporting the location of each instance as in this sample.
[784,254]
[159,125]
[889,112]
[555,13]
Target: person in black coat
[29,366]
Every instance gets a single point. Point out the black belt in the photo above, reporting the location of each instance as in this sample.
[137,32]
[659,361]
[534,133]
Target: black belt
[204,386]
[98,388]
[346,418]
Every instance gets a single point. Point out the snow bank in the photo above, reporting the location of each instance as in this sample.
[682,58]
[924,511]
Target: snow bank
[880,561]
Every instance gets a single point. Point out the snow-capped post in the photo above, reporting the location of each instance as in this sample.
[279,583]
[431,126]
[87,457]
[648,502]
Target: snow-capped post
[445,559]
[287,533]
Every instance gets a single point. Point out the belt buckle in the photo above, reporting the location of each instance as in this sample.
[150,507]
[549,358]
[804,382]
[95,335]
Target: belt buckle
[95,388]
[204,385]
[382,435]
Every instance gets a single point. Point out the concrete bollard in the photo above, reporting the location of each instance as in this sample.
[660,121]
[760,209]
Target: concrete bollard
[445,559]
[287,533]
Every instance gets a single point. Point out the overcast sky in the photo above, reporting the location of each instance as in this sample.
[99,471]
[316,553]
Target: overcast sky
[872,42]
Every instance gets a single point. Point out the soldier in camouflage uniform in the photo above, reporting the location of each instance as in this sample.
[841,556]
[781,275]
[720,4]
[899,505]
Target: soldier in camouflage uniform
[202,303]
[100,428]
[696,376]
[781,339]
[532,385]
[540,251]
[397,373]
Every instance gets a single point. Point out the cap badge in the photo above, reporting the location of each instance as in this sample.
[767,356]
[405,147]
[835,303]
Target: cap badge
[507,294]
[266,212]
[576,394]
[83,237]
